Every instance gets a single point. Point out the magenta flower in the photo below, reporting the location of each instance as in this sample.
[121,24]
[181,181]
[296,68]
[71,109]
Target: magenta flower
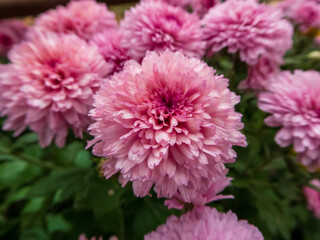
[84,18]
[293,100]
[49,84]
[168,122]
[111,48]
[11,33]
[259,74]
[208,192]
[206,224]
[313,197]
[249,28]
[158,26]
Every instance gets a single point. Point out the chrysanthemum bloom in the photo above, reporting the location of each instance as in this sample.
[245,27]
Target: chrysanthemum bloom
[49,84]
[208,192]
[11,33]
[198,6]
[111,48]
[157,26]
[249,28]
[313,197]
[206,224]
[169,122]
[293,100]
[84,18]
[259,74]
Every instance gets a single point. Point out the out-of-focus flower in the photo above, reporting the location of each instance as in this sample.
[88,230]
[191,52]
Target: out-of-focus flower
[313,197]
[294,102]
[206,224]
[157,26]
[111,48]
[200,7]
[84,18]
[259,74]
[49,84]
[11,33]
[168,122]
[84,237]
[249,28]
[305,13]
[198,197]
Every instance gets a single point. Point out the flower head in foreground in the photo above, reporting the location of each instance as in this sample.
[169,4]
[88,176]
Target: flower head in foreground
[206,224]
[260,73]
[294,102]
[49,84]
[208,192]
[83,18]
[313,197]
[110,47]
[168,122]
[11,33]
[249,28]
[157,26]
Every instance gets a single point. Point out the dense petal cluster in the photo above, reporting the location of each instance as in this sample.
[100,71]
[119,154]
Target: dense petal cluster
[247,27]
[83,18]
[260,73]
[157,26]
[11,33]
[49,84]
[208,192]
[111,48]
[206,224]
[294,102]
[313,197]
[168,122]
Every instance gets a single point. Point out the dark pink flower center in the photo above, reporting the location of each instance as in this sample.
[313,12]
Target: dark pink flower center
[5,40]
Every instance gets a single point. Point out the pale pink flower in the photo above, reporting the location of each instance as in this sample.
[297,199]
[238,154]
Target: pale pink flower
[313,197]
[259,74]
[168,122]
[249,28]
[84,237]
[206,224]
[111,48]
[49,84]
[11,33]
[208,192]
[294,102]
[84,18]
[157,26]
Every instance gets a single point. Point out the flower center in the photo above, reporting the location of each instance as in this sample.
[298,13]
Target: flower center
[5,40]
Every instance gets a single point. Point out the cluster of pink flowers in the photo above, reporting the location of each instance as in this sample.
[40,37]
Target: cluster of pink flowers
[206,224]
[294,102]
[313,197]
[168,122]
[11,32]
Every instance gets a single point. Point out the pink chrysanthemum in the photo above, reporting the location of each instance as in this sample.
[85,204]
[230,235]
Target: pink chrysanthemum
[294,102]
[208,192]
[259,74]
[313,197]
[110,47]
[249,28]
[157,26]
[206,224]
[200,7]
[11,33]
[169,122]
[49,86]
[83,18]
